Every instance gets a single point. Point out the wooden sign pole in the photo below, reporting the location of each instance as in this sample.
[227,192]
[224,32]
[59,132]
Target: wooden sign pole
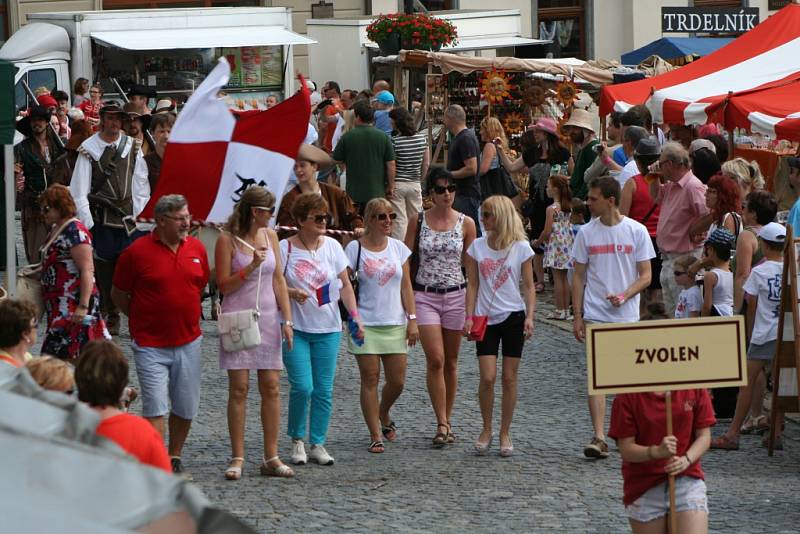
[673,518]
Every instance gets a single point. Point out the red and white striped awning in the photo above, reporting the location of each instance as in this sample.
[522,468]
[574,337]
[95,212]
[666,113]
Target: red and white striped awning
[752,83]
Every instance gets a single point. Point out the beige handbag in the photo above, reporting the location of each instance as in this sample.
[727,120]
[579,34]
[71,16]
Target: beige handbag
[29,283]
[239,330]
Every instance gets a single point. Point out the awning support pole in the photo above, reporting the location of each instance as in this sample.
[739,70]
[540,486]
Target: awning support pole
[11,241]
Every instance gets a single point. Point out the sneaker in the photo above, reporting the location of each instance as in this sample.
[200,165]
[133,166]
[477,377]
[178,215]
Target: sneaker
[597,448]
[320,455]
[298,452]
[178,470]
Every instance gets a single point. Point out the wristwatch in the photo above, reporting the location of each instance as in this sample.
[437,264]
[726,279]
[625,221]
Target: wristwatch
[290,324]
[411,317]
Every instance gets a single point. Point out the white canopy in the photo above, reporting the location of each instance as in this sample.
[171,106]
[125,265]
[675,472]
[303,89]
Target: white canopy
[181,38]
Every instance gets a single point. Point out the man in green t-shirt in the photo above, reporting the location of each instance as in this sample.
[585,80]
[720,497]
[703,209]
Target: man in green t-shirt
[581,132]
[369,157]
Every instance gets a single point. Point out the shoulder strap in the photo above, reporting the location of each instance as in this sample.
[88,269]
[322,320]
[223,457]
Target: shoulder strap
[258,287]
[288,254]
[55,235]
[358,256]
[649,213]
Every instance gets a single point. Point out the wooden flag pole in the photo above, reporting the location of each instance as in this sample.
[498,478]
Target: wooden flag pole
[673,521]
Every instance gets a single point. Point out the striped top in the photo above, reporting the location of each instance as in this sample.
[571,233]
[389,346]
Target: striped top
[408,153]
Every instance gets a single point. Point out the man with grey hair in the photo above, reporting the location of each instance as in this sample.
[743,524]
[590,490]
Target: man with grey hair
[462,162]
[158,284]
[630,140]
[682,197]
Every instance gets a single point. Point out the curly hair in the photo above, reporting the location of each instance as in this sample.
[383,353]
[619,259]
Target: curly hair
[58,198]
[561,182]
[305,204]
[728,196]
[242,216]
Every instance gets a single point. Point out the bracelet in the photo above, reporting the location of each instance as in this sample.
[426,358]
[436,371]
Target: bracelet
[83,306]
[687,458]
[354,314]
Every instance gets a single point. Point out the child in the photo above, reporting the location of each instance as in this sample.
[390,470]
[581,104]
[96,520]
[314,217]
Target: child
[577,216]
[763,295]
[718,280]
[557,239]
[690,301]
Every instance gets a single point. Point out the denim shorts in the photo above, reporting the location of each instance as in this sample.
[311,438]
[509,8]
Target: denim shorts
[690,496]
[169,375]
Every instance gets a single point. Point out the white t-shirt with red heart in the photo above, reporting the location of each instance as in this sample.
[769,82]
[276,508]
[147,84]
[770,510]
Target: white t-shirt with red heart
[380,276]
[498,292]
[310,272]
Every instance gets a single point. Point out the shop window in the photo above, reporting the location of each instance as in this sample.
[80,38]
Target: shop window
[563,22]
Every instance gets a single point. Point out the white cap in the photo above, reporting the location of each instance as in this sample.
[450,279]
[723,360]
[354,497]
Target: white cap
[697,144]
[773,232]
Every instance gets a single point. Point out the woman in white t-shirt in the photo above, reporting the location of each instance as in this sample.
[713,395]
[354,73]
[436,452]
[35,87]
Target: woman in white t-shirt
[495,265]
[316,273]
[387,310]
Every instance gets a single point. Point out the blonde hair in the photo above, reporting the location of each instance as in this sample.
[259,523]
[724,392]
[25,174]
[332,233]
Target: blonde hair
[685,261]
[372,208]
[495,129]
[746,173]
[242,217]
[508,227]
[52,373]
[349,121]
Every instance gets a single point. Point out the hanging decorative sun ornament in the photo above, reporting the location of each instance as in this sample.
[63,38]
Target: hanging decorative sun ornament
[567,93]
[534,95]
[496,86]
[562,134]
[513,123]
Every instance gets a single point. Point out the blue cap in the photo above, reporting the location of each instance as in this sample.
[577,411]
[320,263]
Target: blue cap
[385,97]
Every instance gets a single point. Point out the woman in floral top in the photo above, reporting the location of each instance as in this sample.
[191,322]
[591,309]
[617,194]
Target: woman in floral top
[71,298]
[438,242]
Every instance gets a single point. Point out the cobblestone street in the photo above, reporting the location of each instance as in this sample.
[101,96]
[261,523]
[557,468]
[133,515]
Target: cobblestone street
[547,486]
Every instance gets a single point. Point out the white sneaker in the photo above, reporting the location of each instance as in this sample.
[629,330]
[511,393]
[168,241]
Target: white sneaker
[320,455]
[298,452]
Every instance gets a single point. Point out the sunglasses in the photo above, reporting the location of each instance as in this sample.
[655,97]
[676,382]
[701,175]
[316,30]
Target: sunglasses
[324,218]
[487,214]
[441,189]
[678,273]
[384,216]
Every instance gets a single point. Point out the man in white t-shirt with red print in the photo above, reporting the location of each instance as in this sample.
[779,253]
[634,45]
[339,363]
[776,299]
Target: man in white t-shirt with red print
[611,256]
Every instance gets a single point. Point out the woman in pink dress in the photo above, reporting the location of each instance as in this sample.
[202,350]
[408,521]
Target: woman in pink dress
[243,253]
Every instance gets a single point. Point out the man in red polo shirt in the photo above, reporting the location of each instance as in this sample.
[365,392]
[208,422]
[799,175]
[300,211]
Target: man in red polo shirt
[158,283]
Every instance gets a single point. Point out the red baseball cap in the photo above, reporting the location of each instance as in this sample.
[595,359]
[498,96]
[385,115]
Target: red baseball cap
[47,100]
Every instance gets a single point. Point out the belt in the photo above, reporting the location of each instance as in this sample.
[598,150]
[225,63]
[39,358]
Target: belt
[438,290]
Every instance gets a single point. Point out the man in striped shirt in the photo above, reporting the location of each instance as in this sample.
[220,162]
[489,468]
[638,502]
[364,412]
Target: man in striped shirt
[412,157]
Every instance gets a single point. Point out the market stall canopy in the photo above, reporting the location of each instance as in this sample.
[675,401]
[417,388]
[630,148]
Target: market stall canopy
[774,112]
[762,59]
[37,41]
[465,64]
[675,48]
[182,38]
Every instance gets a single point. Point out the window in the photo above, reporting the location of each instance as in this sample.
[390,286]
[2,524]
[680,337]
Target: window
[563,22]
[437,5]
[35,79]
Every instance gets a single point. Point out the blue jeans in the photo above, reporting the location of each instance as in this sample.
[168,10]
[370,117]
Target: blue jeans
[311,366]
[469,206]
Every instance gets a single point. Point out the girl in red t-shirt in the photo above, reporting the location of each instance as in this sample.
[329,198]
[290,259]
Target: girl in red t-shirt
[638,424]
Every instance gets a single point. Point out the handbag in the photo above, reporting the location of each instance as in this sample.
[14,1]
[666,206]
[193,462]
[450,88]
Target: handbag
[497,181]
[480,322]
[29,278]
[353,277]
[239,330]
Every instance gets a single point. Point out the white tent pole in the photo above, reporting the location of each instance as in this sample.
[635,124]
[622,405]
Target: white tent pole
[11,241]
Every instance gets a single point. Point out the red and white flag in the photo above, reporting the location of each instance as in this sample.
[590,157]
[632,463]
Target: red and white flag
[213,157]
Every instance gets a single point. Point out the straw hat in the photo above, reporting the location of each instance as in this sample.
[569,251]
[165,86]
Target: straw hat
[314,155]
[164,105]
[580,118]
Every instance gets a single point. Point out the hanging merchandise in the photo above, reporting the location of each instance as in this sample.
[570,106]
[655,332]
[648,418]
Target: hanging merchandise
[533,95]
[547,33]
[496,86]
[514,123]
[567,93]
[565,32]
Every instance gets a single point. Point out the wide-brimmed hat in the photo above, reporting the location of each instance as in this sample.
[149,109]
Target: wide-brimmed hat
[141,90]
[131,110]
[647,148]
[314,155]
[165,105]
[546,124]
[580,118]
[112,108]
[36,112]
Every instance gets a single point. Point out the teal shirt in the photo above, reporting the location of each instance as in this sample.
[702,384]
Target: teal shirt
[583,160]
[365,150]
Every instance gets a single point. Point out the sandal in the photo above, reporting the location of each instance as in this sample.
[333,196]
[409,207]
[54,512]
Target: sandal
[376,447]
[280,471]
[233,472]
[725,443]
[482,447]
[759,425]
[539,287]
[390,431]
[508,450]
[451,438]
[440,439]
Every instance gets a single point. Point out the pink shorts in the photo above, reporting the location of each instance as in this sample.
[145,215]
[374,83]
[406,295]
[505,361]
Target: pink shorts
[441,309]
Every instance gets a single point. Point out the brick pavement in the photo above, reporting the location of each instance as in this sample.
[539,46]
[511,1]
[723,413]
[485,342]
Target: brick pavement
[546,487]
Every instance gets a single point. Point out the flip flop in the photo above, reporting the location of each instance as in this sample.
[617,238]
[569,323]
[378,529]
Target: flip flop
[725,443]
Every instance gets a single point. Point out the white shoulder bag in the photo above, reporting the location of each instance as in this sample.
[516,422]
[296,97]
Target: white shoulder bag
[239,330]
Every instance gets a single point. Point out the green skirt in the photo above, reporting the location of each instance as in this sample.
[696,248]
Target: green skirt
[381,340]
